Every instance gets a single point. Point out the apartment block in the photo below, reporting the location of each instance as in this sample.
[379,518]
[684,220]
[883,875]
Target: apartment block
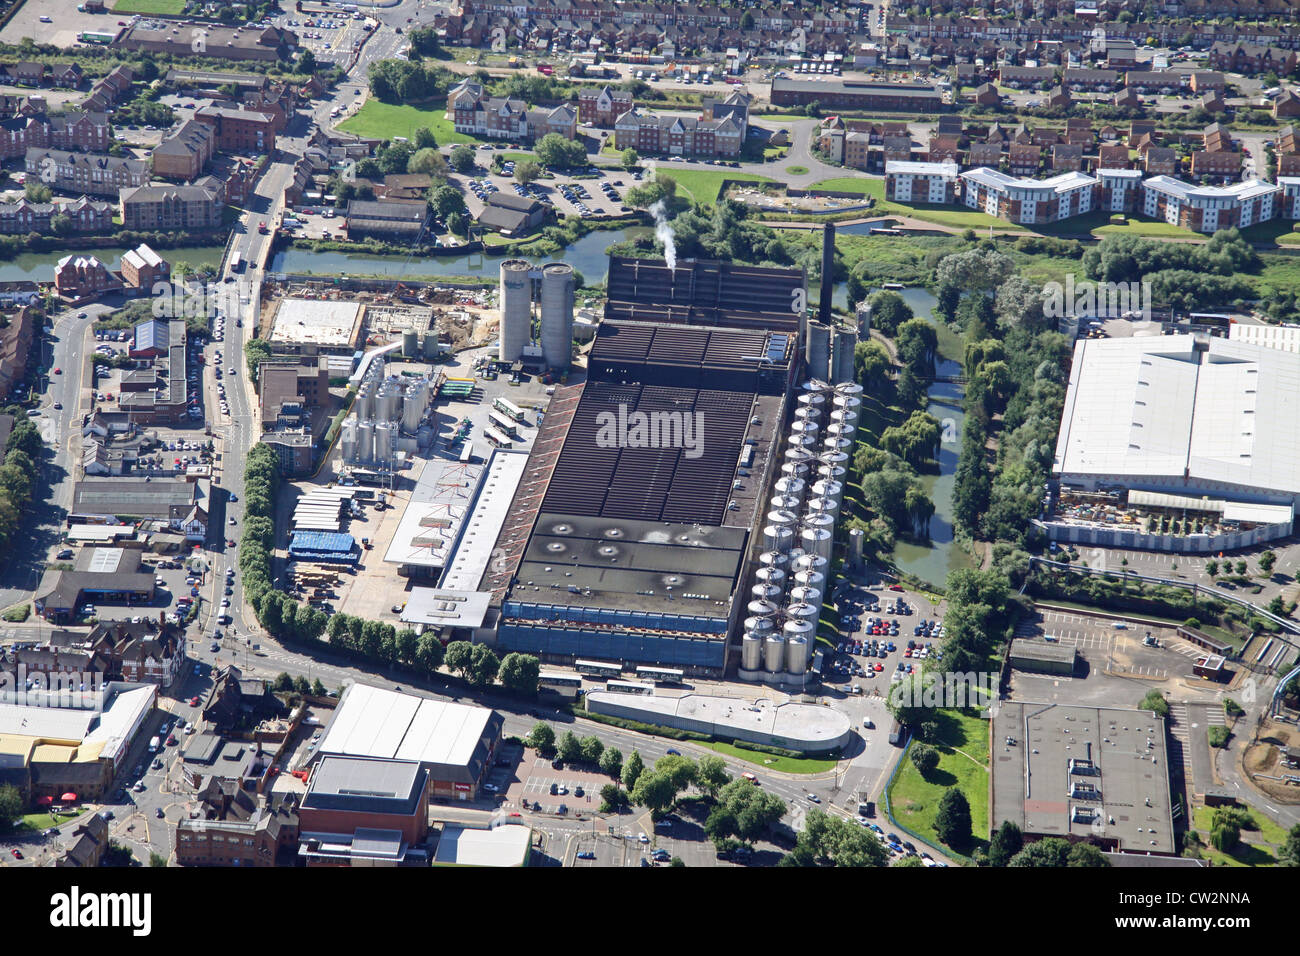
[1029,200]
[95,174]
[921,182]
[171,207]
[1209,208]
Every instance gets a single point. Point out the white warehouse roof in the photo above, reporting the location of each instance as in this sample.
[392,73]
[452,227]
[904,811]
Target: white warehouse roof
[1169,408]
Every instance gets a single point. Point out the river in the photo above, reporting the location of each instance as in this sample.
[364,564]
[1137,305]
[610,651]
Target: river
[39,266]
[932,562]
[587,255]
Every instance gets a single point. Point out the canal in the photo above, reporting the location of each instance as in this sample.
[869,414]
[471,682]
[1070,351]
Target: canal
[39,266]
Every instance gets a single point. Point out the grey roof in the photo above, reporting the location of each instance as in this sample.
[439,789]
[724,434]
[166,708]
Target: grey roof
[135,497]
[1044,651]
[366,785]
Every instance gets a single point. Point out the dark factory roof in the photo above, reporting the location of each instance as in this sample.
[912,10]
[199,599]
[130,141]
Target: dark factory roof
[705,292]
[675,483]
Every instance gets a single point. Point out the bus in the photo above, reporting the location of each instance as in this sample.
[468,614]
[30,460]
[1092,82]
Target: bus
[496,438]
[565,685]
[236,261]
[508,409]
[660,675]
[630,687]
[597,669]
[502,424]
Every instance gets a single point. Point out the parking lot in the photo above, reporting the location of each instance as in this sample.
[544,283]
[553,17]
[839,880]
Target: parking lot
[571,196]
[330,36]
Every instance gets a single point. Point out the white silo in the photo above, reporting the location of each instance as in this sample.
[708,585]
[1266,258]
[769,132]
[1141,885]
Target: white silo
[366,440]
[848,402]
[844,416]
[796,655]
[516,309]
[840,430]
[856,539]
[782,517]
[807,413]
[774,654]
[810,561]
[818,540]
[818,519]
[774,559]
[802,440]
[803,612]
[762,626]
[780,502]
[410,344]
[431,347]
[557,315]
[773,576]
[849,388]
[385,443]
[348,439]
[802,594]
[791,488]
[818,351]
[842,348]
[837,444]
[778,537]
[413,405]
[751,656]
[804,428]
[765,592]
[831,472]
[813,580]
[795,469]
[760,608]
[811,397]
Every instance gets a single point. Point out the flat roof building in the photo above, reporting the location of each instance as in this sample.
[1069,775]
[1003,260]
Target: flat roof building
[1095,774]
[315,326]
[509,845]
[455,743]
[1210,208]
[1042,657]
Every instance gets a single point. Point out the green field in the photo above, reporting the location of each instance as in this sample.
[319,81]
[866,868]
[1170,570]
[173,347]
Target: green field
[378,120]
[1257,847]
[174,7]
[703,185]
[963,747]
[771,761]
[874,188]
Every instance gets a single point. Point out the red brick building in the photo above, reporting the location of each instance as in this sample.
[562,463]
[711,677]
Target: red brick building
[239,131]
[603,106]
[365,811]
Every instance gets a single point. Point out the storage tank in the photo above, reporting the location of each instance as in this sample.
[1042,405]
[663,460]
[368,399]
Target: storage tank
[778,537]
[410,344]
[844,416]
[348,439]
[813,400]
[832,472]
[782,517]
[818,519]
[751,653]
[413,406]
[366,440]
[765,592]
[818,352]
[827,506]
[760,626]
[840,431]
[795,469]
[856,538]
[846,340]
[799,440]
[810,429]
[791,488]
[810,578]
[849,388]
[828,488]
[773,654]
[774,576]
[760,608]
[796,654]
[802,594]
[557,315]
[837,444]
[516,309]
[847,402]
[431,348]
[810,561]
[818,540]
[816,385]
[385,442]
[774,559]
[803,612]
[785,503]
[807,413]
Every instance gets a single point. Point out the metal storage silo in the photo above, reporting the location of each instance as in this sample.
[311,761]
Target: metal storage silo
[846,341]
[849,388]
[410,344]
[765,592]
[837,444]
[803,612]
[831,472]
[348,439]
[366,440]
[773,576]
[762,626]
[516,309]
[778,537]
[751,653]
[781,502]
[818,519]
[856,539]
[791,488]
[826,506]
[847,402]
[840,430]
[804,428]
[816,385]
[795,469]
[802,594]
[796,654]
[808,413]
[813,400]
[774,559]
[818,351]
[385,442]
[774,654]
[844,416]
[818,540]
[810,561]
[811,579]
[431,348]
[782,518]
[760,608]
[557,315]
[413,406]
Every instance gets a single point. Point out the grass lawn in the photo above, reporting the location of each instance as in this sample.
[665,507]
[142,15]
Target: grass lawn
[43,821]
[852,184]
[796,170]
[378,120]
[175,7]
[963,747]
[772,761]
[1261,850]
[705,184]
[1146,228]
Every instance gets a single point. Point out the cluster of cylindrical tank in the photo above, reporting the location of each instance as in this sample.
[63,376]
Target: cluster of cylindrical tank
[779,634]
[555,327]
[364,441]
[386,406]
[829,352]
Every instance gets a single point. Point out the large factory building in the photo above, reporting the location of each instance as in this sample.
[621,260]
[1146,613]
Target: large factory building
[640,520]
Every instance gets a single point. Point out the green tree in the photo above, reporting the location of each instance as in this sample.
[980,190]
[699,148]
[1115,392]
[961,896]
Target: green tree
[1006,843]
[457,657]
[301,685]
[483,665]
[569,747]
[631,158]
[11,807]
[889,310]
[428,651]
[307,62]
[1086,855]
[446,200]
[834,841]
[611,762]
[462,158]
[558,152]
[157,859]
[1212,569]
[541,737]
[1225,836]
[612,798]
[711,775]
[527,171]
[633,767]
[519,673]
[36,191]
[952,824]
[656,792]
[925,758]
[1155,701]
[1052,851]
[1289,853]
[1266,562]
[592,749]
[680,770]
[283,682]
[318,688]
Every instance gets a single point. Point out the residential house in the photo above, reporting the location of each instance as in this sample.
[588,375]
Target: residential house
[79,277]
[1216,163]
[1286,105]
[1251,59]
[1024,159]
[239,131]
[602,107]
[92,173]
[393,220]
[1159,161]
[1113,156]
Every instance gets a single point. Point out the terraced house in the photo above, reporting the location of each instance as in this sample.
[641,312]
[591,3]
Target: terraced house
[30,128]
[94,173]
[83,215]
